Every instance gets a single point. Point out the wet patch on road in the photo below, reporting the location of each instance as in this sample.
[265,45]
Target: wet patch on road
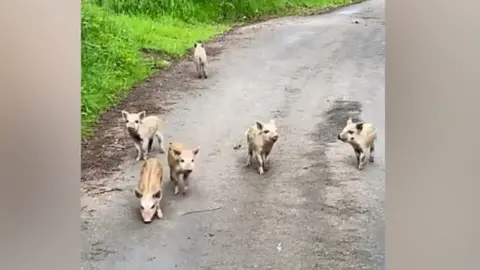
[342,195]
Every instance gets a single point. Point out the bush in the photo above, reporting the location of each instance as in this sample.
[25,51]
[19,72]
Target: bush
[110,61]
[209,10]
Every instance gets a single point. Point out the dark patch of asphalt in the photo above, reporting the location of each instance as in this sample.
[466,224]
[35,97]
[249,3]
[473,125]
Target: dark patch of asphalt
[313,209]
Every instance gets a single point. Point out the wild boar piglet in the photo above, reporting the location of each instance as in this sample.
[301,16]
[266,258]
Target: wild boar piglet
[143,129]
[361,136]
[182,163]
[149,189]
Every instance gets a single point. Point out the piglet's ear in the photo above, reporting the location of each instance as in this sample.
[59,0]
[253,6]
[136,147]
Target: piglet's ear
[196,151]
[125,115]
[138,194]
[142,115]
[259,125]
[157,195]
[359,126]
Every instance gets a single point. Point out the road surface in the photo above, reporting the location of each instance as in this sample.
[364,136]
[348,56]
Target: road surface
[313,209]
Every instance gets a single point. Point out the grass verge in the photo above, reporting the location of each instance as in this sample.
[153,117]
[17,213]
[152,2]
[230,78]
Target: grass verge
[117,33]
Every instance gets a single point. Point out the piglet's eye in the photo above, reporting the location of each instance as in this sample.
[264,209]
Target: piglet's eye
[350,132]
[136,121]
[152,206]
[141,207]
[192,160]
[182,160]
[266,131]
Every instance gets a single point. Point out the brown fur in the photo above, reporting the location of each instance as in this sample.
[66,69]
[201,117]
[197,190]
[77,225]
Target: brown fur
[261,137]
[181,163]
[149,189]
[151,176]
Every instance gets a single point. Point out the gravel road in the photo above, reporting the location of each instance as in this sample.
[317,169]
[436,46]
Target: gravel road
[313,209]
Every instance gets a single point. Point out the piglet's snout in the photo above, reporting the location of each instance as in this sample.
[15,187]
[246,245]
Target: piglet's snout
[147,216]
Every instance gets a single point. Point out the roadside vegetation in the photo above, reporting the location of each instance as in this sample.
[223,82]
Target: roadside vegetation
[125,41]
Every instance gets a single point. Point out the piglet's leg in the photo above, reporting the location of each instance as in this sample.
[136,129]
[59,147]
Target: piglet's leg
[139,151]
[249,157]
[361,160]
[259,158]
[372,156]
[159,211]
[145,149]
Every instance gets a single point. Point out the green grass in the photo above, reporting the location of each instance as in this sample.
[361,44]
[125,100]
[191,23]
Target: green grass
[115,32]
